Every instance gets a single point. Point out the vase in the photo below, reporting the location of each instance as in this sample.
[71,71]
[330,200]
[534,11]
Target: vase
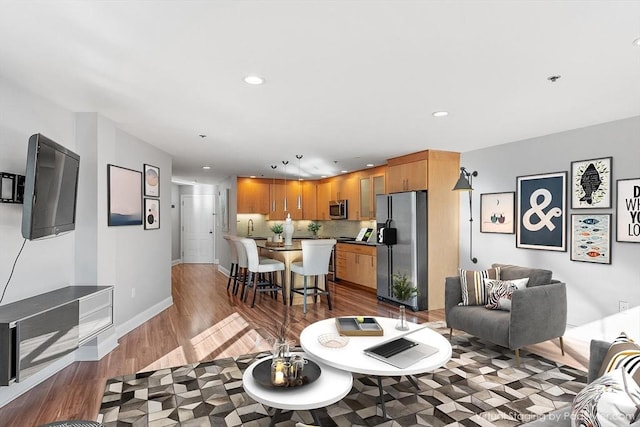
[402,319]
[280,348]
[288,231]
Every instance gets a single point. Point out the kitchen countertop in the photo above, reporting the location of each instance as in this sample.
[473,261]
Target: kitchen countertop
[341,239]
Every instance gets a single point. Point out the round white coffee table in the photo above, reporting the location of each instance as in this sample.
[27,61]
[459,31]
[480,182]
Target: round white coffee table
[332,385]
[353,359]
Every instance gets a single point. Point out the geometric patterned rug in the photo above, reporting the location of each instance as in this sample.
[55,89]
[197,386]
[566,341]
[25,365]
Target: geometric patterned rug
[479,386]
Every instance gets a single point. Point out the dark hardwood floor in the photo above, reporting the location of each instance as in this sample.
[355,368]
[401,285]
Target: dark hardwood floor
[204,323]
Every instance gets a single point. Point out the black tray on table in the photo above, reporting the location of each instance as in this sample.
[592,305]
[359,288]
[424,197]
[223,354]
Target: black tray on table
[262,374]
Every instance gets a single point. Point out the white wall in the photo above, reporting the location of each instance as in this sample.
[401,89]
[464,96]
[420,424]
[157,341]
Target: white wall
[44,264]
[127,257]
[593,290]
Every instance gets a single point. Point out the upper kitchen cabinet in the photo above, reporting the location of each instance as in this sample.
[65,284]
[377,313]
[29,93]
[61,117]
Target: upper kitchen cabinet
[345,187]
[408,173]
[253,195]
[281,191]
[372,183]
[301,200]
[323,192]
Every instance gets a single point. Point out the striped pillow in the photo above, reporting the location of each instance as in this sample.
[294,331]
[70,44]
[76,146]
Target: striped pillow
[624,353]
[472,285]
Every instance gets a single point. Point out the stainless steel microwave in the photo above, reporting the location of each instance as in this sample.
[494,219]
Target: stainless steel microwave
[338,209]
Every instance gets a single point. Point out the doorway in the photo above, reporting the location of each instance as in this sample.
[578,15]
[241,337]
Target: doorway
[198,229]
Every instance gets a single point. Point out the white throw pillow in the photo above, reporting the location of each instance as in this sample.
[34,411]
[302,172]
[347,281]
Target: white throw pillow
[611,400]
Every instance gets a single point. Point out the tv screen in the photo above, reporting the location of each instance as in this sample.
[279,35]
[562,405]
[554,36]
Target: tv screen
[50,189]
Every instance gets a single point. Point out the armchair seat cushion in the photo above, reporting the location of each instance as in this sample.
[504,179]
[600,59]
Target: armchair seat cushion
[492,325]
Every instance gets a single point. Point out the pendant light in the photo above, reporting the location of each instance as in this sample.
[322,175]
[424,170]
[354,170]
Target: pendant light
[285,163]
[273,185]
[299,156]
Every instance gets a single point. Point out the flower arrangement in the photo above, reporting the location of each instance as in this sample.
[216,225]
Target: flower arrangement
[277,228]
[314,227]
[402,287]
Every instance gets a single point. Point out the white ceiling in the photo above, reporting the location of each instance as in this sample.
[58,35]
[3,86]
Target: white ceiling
[347,81]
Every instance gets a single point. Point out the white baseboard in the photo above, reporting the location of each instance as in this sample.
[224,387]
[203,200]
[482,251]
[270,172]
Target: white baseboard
[176,262]
[224,270]
[138,320]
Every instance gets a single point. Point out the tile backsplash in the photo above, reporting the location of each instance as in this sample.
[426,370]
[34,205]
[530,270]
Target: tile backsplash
[334,228]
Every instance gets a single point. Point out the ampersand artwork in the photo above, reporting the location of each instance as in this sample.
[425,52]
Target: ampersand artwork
[537,209]
[590,182]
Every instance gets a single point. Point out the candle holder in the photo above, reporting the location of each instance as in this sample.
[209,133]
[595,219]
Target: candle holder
[280,372]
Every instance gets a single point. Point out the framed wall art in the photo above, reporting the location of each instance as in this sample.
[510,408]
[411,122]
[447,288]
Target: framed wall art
[151,214]
[497,212]
[124,189]
[151,181]
[591,238]
[541,211]
[591,183]
[628,210]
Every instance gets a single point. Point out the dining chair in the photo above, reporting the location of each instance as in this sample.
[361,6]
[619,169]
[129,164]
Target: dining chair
[266,267]
[315,262]
[233,258]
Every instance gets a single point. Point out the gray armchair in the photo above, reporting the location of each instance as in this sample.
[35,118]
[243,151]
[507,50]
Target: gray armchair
[538,312]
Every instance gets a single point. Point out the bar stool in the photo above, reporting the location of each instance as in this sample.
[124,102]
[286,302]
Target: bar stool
[315,262]
[233,255]
[241,269]
[259,266]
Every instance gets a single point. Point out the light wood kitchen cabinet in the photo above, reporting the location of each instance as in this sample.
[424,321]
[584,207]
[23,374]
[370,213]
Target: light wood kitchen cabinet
[253,196]
[371,185]
[309,200]
[278,191]
[357,264]
[345,187]
[323,193]
[408,173]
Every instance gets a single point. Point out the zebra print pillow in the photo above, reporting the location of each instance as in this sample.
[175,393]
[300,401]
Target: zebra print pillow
[499,292]
[624,353]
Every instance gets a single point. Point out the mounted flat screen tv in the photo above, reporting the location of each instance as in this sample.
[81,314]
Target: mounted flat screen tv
[50,189]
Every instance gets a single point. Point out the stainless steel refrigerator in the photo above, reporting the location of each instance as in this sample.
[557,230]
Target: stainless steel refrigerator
[407,214]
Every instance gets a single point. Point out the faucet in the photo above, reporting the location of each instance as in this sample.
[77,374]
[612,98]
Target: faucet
[249,227]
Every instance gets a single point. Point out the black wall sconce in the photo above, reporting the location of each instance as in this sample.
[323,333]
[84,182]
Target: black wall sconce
[465,183]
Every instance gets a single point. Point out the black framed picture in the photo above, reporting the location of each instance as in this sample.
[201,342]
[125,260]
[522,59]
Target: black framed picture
[124,189]
[591,238]
[151,181]
[497,212]
[151,214]
[541,211]
[591,183]
[628,210]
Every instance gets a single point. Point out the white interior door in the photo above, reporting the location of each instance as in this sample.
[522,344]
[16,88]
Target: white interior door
[198,229]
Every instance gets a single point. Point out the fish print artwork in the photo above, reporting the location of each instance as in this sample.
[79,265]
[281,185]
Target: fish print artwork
[591,240]
[591,181]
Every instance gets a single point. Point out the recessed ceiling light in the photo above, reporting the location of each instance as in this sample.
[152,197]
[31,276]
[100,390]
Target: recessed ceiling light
[202,135]
[369,165]
[637,41]
[440,114]
[254,80]
[206,168]
[554,79]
